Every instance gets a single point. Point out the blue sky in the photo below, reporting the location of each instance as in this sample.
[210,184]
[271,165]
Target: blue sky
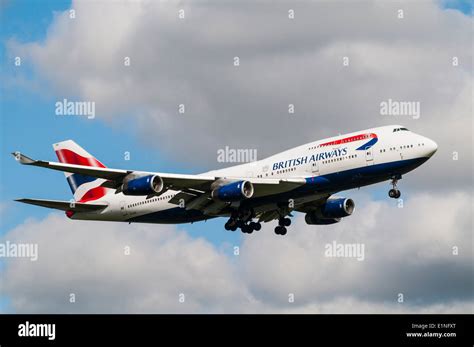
[465,6]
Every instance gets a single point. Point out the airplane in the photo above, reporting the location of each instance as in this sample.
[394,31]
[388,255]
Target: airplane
[303,179]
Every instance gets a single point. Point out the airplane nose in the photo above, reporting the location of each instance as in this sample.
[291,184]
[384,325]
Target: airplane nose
[431,147]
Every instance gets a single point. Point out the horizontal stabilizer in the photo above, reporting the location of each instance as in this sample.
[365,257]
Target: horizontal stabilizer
[64,205]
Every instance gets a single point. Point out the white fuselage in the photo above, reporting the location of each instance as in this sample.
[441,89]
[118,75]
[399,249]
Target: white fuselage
[325,157]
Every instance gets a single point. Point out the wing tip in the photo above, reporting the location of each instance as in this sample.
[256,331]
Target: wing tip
[23,200]
[23,159]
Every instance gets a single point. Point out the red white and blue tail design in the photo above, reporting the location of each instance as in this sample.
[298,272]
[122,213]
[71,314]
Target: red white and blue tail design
[84,188]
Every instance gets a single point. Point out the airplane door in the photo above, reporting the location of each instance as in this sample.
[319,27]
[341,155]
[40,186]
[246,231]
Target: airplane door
[123,208]
[315,168]
[369,157]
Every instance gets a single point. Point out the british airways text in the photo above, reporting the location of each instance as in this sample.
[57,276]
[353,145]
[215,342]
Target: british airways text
[308,159]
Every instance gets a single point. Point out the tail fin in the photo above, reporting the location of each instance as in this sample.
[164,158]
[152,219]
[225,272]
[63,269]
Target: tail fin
[84,188]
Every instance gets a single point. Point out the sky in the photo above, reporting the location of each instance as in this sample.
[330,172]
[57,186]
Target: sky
[190,61]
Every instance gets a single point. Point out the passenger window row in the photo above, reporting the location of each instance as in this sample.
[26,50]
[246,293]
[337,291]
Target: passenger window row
[167,197]
[401,147]
[352,156]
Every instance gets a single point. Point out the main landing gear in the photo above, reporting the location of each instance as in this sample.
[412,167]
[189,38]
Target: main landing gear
[243,220]
[246,227]
[282,223]
[394,193]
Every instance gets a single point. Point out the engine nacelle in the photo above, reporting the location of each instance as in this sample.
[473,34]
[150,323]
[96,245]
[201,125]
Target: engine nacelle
[331,211]
[312,219]
[336,208]
[144,185]
[235,191]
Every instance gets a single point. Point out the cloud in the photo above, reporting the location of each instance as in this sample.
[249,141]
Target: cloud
[89,260]
[407,251]
[190,61]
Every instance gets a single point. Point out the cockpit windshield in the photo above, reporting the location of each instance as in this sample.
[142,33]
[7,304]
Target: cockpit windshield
[400,129]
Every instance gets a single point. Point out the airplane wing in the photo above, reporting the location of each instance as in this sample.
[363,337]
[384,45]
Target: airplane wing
[64,205]
[312,205]
[197,183]
[269,214]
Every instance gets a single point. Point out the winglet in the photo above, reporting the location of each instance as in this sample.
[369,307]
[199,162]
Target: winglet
[23,159]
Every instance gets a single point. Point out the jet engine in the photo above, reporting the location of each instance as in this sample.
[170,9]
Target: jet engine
[145,185]
[235,191]
[331,211]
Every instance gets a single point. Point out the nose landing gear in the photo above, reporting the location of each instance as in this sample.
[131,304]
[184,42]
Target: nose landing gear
[394,193]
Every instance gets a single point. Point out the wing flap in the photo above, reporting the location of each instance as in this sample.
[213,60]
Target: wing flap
[181,196]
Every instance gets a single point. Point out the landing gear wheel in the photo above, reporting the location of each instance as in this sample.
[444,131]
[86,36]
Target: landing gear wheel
[254,226]
[247,229]
[227,226]
[257,226]
[284,222]
[233,228]
[394,193]
[280,230]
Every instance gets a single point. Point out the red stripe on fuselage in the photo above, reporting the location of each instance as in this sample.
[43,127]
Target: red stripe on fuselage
[349,139]
[69,157]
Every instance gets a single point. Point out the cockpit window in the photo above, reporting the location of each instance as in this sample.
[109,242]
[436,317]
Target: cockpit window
[400,129]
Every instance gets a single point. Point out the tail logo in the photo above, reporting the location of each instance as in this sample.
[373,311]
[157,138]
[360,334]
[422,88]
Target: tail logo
[84,188]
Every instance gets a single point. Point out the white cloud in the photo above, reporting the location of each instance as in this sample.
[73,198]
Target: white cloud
[407,251]
[88,259]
